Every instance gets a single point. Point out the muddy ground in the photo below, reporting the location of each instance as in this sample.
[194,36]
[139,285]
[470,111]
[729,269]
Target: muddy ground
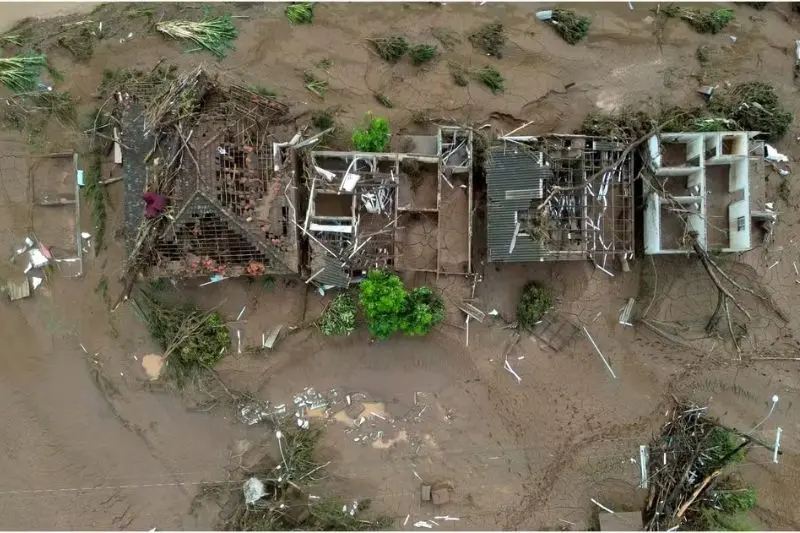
[88,444]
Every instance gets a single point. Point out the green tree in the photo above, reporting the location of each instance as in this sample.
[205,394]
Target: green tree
[424,310]
[373,138]
[533,304]
[383,299]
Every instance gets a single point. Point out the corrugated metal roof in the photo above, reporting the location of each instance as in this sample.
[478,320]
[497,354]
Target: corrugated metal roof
[508,169]
[333,274]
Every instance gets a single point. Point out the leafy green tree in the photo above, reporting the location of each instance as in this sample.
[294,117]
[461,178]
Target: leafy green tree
[424,310]
[373,138]
[383,299]
[533,304]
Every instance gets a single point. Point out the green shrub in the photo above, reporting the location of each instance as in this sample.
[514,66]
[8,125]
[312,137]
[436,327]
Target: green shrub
[340,317]
[572,27]
[422,53]
[383,300]
[533,304]
[424,310]
[373,138]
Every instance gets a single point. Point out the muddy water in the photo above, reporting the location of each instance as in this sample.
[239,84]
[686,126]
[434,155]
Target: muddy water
[13,12]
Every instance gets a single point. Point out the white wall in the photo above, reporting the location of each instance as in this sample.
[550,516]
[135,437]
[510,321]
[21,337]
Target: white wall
[739,240]
[652,225]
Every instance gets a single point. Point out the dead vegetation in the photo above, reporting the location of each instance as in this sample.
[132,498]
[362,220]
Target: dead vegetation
[277,494]
[695,486]
[491,38]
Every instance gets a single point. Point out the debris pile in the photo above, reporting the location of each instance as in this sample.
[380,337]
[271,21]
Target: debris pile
[39,259]
[276,496]
[691,484]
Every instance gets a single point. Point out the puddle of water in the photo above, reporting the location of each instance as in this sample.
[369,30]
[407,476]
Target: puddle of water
[382,444]
[377,408]
[153,364]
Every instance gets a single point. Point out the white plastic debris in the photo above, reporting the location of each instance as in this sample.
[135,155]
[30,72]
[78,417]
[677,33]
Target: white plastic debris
[35,282]
[38,259]
[773,156]
[783,172]
[732,38]
[253,490]
[601,506]
[423,523]
[545,16]
[777,445]
[493,312]
[86,235]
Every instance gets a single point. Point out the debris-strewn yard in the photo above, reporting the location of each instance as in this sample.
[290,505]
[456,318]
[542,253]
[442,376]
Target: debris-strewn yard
[210,370]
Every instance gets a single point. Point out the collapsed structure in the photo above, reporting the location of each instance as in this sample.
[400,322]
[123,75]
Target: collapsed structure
[558,198]
[407,211]
[703,187]
[210,150]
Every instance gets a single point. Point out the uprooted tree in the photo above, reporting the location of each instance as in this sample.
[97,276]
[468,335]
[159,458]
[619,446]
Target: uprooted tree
[692,480]
[390,308]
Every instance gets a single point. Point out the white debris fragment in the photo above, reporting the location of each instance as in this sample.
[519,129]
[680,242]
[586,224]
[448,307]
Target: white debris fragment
[253,490]
[732,38]
[38,259]
[507,366]
[774,156]
[644,455]
[86,235]
[601,506]
[423,523]
[545,16]
[446,518]
[35,282]
[777,445]
[406,520]
[493,312]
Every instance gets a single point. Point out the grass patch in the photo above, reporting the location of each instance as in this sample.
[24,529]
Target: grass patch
[102,290]
[264,92]
[702,20]
[339,318]
[314,84]
[79,43]
[302,13]
[491,78]
[21,73]
[392,48]
[215,35]
[459,75]
[323,120]
[446,37]
[96,195]
[572,27]
[422,53]
[491,38]
[384,101]
[374,137]
[193,340]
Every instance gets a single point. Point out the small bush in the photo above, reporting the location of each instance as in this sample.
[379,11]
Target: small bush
[702,20]
[570,26]
[533,304]
[373,138]
[323,120]
[383,300]
[422,53]
[340,317]
[302,13]
[490,38]
[392,48]
[490,77]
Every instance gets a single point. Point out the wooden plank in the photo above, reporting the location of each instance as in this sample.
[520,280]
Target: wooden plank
[269,342]
[472,311]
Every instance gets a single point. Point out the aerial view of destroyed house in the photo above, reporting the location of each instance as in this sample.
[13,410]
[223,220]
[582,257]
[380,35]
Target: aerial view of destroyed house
[401,266]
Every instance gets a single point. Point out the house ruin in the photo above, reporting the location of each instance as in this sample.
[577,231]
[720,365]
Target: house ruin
[409,211]
[230,186]
[560,198]
[702,186]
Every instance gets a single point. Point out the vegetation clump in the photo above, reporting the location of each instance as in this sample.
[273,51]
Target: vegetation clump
[572,27]
[323,120]
[21,73]
[96,195]
[533,304]
[491,38]
[459,75]
[339,318]
[422,53]
[287,481]
[390,308]
[392,48]
[373,138]
[79,43]
[301,13]
[491,78]
[314,84]
[702,20]
[193,340]
[213,34]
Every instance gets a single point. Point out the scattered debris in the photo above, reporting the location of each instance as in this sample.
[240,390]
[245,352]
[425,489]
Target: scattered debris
[440,493]
[605,362]
[213,34]
[644,456]
[601,506]
[254,490]
[423,523]
[773,156]
[507,366]
[18,289]
[625,315]
[777,445]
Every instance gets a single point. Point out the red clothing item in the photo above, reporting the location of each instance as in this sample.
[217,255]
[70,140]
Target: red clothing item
[155,204]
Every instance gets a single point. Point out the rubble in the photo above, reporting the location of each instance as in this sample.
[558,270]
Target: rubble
[254,490]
